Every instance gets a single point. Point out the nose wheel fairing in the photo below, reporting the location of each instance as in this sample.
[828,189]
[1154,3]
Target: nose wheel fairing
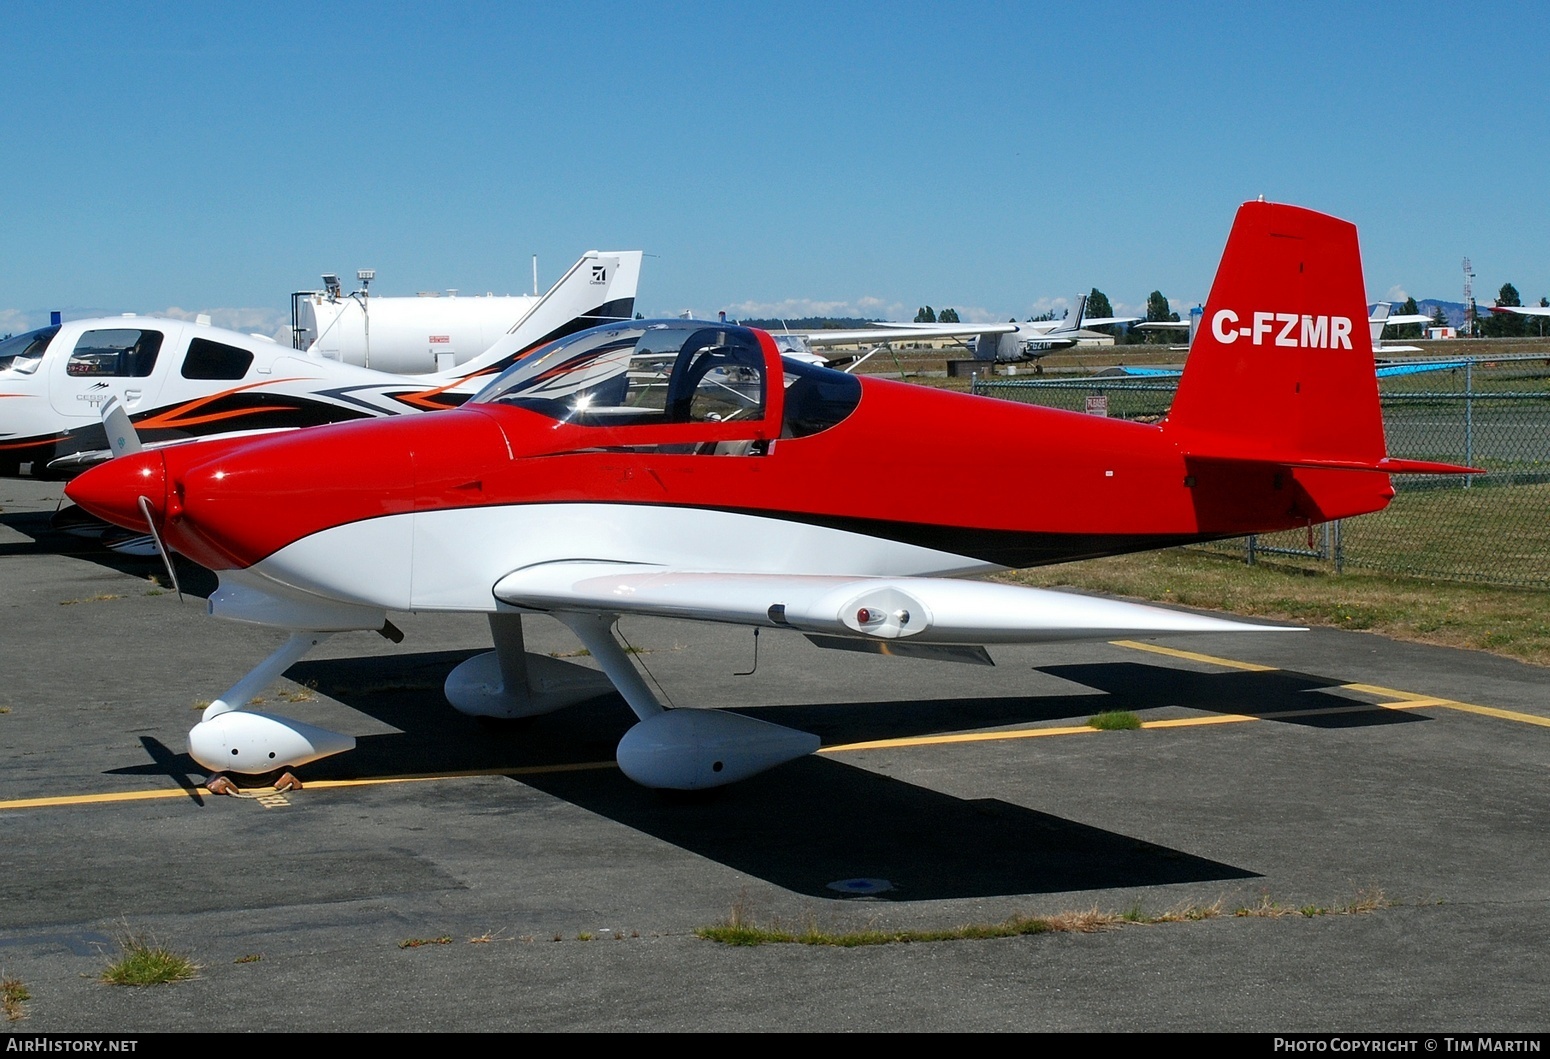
[230,738]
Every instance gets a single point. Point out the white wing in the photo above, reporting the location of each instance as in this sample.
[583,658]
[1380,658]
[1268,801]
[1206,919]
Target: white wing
[920,609]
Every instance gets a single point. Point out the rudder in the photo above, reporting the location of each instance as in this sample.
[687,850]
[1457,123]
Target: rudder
[1282,367]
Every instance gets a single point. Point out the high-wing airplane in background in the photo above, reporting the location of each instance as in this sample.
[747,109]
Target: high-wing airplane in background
[999,343]
[1382,316]
[1522,310]
[683,469]
[181,380]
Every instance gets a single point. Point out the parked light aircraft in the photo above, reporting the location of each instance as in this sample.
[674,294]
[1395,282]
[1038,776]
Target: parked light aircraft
[682,469]
[1382,317]
[1521,310]
[179,380]
[1000,343]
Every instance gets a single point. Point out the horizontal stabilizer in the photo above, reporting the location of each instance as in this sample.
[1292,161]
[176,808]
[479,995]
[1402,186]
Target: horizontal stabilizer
[1390,465]
[928,610]
[1386,465]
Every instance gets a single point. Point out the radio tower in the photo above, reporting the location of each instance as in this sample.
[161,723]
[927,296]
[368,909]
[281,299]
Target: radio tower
[1469,299]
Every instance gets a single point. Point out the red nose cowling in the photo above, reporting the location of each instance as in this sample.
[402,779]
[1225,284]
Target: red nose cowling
[112,490]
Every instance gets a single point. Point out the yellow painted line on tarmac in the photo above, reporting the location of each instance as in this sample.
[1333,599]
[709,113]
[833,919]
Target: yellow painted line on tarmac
[374,781]
[1195,722]
[1413,699]
[1174,652]
[962,737]
[93,799]
[1174,722]
[1407,700]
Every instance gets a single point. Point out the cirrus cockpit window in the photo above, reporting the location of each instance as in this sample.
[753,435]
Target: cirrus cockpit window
[118,352]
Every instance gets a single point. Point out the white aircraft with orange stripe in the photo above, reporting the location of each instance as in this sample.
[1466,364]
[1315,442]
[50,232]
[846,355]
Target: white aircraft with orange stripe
[180,380]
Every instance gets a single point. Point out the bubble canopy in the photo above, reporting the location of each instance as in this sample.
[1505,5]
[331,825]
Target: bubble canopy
[640,371]
[643,372]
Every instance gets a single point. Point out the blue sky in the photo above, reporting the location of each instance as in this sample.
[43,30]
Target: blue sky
[847,158]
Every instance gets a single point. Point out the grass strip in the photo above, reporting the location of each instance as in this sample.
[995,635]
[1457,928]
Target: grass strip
[1504,621]
[740,929]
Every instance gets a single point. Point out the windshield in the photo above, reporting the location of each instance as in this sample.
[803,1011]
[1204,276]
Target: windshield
[640,372]
[816,398]
[23,353]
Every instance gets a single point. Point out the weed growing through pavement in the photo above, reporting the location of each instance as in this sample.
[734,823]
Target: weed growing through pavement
[415,943]
[142,960]
[13,998]
[1114,721]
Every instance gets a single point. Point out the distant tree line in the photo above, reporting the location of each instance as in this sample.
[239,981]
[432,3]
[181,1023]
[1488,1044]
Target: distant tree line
[1157,311]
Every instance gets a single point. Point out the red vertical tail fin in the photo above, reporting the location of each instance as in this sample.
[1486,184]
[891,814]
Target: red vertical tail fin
[1282,368]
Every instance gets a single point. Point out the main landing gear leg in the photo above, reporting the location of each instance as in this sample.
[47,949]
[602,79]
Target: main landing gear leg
[683,749]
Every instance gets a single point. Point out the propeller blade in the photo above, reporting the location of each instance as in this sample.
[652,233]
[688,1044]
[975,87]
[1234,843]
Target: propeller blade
[166,556]
[122,439]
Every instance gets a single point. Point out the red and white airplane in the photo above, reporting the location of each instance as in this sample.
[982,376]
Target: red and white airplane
[682,469]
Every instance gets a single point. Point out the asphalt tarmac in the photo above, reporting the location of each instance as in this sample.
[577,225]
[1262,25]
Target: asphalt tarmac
[1302,772]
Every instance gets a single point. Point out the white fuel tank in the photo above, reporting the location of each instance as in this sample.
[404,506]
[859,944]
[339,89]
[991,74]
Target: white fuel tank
[408,336]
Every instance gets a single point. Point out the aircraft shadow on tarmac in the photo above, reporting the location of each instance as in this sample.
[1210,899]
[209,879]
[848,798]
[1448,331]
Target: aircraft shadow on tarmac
[803,826]
[193,579]
[1276,695]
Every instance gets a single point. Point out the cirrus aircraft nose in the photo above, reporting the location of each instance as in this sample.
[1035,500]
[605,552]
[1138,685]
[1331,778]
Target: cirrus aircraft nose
[112,490]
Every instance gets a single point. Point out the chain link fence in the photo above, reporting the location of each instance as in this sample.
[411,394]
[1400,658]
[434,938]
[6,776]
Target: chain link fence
[1486,412]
